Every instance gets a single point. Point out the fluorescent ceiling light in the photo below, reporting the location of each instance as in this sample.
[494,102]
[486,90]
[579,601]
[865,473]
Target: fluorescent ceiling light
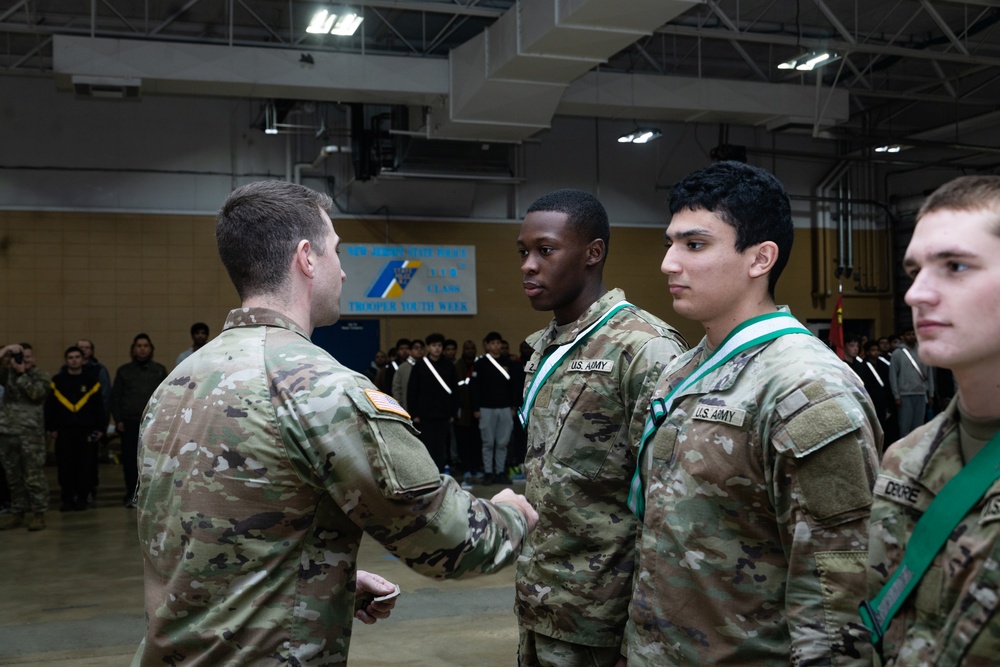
[640,136]
[807,62]
[335,21]
[270,118]
[891,148]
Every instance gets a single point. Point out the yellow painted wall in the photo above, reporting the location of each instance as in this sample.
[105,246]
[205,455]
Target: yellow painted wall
[106,277]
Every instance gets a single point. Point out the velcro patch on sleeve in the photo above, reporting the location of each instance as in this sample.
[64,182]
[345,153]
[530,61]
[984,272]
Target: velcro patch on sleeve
[836,482]
[385,403]
[817,421]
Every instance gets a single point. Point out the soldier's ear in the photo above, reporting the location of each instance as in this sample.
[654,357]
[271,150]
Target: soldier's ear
[303,260]
[596,251]
[764,256]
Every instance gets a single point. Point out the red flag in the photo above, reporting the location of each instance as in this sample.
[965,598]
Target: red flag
[837,327]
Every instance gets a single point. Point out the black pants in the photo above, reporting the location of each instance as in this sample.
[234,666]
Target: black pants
[75,463]
[130,449]
[470,449]
[436,437]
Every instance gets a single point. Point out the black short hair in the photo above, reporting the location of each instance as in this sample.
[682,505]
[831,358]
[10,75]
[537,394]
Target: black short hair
[870,344]
[416,341]
[72,348]
[403,341]
[435,338]
[492,336]
[749,199]
[142,336]
[259,227]
[585,214]
[452,342]
[199,326]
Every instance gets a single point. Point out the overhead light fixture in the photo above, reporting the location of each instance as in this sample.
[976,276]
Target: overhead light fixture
[807,62]
[891,148]
[640,136]
[270,118]
[335,21]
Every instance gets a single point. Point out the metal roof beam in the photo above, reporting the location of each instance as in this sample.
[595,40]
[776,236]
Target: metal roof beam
[810,43]
[735,44]
[834,21]
[929,8]
[173,17]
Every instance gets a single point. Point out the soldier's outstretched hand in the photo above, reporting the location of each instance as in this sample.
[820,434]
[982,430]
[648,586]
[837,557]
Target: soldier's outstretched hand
[521,503]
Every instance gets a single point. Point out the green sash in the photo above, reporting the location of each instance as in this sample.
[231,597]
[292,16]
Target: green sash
[551,361]
[958,496]
[751,333]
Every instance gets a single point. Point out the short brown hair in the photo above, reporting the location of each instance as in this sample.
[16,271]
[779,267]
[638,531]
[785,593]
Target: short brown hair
[259,227]
[965,193]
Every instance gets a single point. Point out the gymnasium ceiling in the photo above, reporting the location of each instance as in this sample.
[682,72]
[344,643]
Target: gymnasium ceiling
[921,74]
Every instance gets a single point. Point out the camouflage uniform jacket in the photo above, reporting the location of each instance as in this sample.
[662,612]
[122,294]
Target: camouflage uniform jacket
[952,617]
[23,400]
[574,578]
[262,464]
[758,490]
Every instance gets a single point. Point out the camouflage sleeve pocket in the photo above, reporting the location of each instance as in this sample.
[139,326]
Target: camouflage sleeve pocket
[842,579]
[398,459]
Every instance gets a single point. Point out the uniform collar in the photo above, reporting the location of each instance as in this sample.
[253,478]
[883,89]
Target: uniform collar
[548,335]
[723,377]
[937,455]
[261,317]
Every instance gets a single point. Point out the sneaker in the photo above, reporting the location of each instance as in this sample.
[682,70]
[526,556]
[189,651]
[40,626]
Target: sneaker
[36,521]
[467,485]
[501,479]
[8,521]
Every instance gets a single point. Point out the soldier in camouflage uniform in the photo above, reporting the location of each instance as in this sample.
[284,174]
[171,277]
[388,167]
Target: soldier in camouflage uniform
[22,437]
[575,576]
[757,471]
[951,617]
[264,461]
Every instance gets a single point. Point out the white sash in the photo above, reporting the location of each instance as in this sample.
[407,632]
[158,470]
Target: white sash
[500,368]
[437,377]
[917,367]
[552,360]
[751,333]
[875,373]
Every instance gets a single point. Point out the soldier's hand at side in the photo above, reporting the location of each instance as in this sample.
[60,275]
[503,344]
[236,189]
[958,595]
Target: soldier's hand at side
[369,587]
[622,662]
[521,503]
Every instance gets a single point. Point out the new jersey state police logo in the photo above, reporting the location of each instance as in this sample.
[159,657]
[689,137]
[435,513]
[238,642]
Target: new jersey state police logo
[393,280]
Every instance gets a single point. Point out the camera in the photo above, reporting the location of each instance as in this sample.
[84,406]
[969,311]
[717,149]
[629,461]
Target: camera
[17,357]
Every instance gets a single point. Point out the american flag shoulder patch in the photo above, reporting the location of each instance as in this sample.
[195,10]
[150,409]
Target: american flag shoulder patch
[385,403]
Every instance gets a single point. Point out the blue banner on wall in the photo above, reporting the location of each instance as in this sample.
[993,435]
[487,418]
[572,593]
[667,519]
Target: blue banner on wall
[408,279]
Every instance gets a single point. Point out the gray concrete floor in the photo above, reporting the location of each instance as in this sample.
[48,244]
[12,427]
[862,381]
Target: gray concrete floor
[71,595]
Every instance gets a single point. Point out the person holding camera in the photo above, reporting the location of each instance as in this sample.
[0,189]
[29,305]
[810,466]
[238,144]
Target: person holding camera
[22,438]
